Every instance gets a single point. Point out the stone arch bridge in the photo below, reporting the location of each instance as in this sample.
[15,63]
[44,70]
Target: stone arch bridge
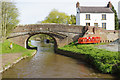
[62,34]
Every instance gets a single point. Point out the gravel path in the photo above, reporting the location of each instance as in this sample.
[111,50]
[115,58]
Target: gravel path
[9,58]
[114,46]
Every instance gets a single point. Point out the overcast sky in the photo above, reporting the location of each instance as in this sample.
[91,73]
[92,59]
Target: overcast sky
[32,11]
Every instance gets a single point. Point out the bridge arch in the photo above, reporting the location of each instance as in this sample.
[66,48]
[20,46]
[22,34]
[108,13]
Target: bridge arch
[62,34]
[60,39]
[28,47]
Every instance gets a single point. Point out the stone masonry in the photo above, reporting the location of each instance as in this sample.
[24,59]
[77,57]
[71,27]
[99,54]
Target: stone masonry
[62,34]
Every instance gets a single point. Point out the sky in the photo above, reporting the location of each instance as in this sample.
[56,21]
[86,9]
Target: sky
[32,11]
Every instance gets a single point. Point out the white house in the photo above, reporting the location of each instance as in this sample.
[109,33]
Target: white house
[96,16]
[119,10]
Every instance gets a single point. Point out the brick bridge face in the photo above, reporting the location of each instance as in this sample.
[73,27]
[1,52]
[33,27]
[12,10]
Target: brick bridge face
[62,34]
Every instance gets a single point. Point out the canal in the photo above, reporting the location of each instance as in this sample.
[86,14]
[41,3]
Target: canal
[47,64]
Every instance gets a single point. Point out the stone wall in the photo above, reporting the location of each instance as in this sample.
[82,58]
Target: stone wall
[59,42]
[105,35]
[70,32]
[21,40]
[50,27]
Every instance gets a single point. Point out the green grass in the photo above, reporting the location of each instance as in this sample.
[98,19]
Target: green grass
[16,49]
[29,43]
[103,60]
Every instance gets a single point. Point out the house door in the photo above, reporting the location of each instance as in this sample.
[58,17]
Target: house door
[96,24]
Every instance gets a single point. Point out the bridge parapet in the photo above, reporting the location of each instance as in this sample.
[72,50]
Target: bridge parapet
[50,27]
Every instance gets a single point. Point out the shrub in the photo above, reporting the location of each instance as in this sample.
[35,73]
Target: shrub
[105,61]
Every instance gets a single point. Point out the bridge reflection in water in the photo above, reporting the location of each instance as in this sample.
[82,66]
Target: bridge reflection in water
[47,64]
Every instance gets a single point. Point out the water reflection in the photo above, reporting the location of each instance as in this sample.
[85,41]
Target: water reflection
[47,64]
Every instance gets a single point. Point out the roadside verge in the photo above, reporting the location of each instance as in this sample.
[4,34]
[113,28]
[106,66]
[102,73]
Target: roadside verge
[11,56]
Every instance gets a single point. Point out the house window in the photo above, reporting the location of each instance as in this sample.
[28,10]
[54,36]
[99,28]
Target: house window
[96,24]
[87,16]
[104,25]
[103,16]
[87,24]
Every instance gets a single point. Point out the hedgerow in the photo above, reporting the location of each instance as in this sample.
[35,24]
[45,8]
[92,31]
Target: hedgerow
[105,61]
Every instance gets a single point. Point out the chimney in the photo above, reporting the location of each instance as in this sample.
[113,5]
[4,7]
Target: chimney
[109,5]
[77,5]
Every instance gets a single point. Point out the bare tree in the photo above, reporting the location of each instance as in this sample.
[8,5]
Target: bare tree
[8,17]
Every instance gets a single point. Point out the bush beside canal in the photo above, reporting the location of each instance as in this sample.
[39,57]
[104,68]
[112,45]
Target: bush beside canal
[105,61]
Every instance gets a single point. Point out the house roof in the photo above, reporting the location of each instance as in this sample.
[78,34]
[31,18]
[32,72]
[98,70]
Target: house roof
[95,9]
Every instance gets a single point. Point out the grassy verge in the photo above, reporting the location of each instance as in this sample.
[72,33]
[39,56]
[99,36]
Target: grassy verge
[105,61]
[29,43]
[16,49]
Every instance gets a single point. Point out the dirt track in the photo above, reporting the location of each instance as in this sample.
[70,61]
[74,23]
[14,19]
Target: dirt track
[9,58]
[109,47]
[114,46]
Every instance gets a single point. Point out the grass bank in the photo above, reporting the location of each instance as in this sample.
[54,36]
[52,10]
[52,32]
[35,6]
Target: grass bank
[15,49]
[14,55]
[105,61]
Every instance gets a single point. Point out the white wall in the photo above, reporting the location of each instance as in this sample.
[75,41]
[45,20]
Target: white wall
[97,18]
[119,9]
[77,17]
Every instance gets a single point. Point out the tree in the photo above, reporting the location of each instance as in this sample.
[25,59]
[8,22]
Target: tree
[0,22]
[72,19]
[116,19]
[58,17]
[9,17]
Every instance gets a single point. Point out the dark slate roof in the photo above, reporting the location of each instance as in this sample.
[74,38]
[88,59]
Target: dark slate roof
[95,9]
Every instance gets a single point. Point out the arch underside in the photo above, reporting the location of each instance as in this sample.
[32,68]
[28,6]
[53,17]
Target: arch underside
[51,35]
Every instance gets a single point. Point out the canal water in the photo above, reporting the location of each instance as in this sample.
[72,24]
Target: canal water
[47,64]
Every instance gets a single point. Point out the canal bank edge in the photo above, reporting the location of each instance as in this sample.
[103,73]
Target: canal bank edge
[15,62]
[80,56]
[72,54]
